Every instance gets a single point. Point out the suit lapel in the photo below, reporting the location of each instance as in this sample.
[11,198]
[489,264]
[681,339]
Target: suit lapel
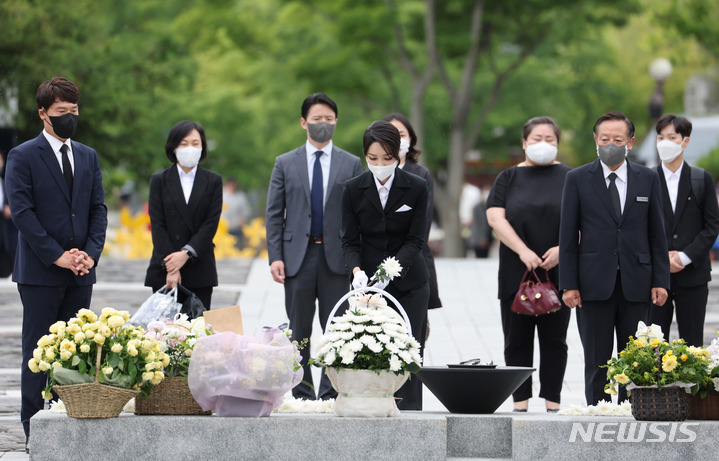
[335,167]
[369,190]
[666,203]
[175,189]
[685,181]
[301,168]
[48,156]
[600,186]
[632,177]
[399,186]
[198,189]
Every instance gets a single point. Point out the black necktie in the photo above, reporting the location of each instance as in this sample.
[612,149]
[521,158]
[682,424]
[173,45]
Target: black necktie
[316,198]
[614,194]
[66,168]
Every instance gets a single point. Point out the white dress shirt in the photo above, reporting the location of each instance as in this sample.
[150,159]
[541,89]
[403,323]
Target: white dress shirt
[186,181]
[56,144]
[672,179]
[620,182]
[383,189]
[324,164]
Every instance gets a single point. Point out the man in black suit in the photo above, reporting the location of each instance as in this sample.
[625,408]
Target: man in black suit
[691,222]
[612,248]
[54,188]
[303,228]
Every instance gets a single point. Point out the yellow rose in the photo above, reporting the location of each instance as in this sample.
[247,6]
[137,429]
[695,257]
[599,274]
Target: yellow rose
[55,327]
[99,339]
[37,354]
[89,334]
[47,395]
[107,370]
[105,331]
[148,375]
[165,360]
[67,345]
[125,316]
[79,337]
[656,342]
[43,365]
[131,350]
[32,364]
[670,352]
[670,364]
[85,348]
[87,315]
[150,357]
[116,348]
[610,391]
[115,321]
[188,352]
[65,355]
[146,345]
[621,378]
[150,366]
[44,341]
[635,364]
[159,376]
[684,357]
[74,329]
[639,343]
[50,353]
[133,343]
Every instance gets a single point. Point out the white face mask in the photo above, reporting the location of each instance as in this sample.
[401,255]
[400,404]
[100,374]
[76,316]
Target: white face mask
[669,150]
[541,153]
[403,147]
[382,172]
[189,156]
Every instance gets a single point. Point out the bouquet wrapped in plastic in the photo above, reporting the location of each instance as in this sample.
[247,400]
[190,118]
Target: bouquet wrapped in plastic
[237,375]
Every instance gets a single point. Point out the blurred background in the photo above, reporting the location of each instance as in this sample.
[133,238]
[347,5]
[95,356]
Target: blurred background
[467,73]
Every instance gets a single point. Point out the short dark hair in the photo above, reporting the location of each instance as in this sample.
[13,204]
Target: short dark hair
[682,125]
[57,89]
[541,120]
[317,98]
[180,132]
[615,116]
[413,153]
[384,133]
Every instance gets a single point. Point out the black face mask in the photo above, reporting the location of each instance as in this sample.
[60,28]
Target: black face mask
[64,125]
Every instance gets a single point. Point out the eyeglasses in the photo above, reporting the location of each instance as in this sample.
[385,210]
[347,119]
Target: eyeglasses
[282,326]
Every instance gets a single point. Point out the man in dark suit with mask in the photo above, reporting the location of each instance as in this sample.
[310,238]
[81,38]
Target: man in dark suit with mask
[612,248]
[691,222]
[303,228]
[54,188]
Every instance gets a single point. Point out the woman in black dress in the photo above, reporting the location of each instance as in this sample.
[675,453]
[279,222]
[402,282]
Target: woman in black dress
[523,208]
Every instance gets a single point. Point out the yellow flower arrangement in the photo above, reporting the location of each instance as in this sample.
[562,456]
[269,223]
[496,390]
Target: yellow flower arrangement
[651,361]
[68,353]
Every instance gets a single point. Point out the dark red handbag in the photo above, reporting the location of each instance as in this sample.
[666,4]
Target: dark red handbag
[535,297]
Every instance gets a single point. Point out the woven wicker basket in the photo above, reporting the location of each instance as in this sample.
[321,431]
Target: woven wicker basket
[94,400]
[704,408]
[665,404]
[171,397]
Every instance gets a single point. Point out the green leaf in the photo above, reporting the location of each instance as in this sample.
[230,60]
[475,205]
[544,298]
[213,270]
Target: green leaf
[75,360]
[132,369]
[82,367]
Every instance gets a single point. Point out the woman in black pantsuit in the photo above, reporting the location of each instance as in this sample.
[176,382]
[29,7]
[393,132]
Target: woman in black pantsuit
[383,214]
[185,206]
[524,208]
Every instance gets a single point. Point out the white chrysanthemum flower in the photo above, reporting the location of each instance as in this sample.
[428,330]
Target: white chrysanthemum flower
[364,318]
[358,328]
[367,339]
[355,345]
[330,358]
[347,335]
[395,364]
[347,355]
[376,347]
[716,384]
[384,338]
[406,356]
[374,329]
[392,267]
[393,347]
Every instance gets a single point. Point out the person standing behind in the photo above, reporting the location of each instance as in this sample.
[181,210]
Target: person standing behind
[523,208]
[185,205]
[384,212]
[54,189]
[409,162]
[612,248]
[303,228]
[691,223]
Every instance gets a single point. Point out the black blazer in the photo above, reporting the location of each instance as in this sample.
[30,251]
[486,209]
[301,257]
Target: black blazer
[176,224]
[370,234]
[636,242]
[691,228]
[417,169]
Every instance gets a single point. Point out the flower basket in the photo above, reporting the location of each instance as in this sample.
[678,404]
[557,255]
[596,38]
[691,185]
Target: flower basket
[364,392]
[665,404]
[94,400]
[171,397]
[704,408]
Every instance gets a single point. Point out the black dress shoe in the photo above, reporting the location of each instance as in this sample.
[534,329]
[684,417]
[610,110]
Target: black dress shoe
[519,410]
[27,445]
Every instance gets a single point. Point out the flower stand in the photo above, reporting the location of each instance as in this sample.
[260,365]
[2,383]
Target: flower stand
[364,392]
[94,400]
[171,397]
[704,408]
[665,404]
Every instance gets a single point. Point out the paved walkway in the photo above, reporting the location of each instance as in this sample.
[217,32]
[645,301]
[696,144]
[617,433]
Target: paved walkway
[467,327]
